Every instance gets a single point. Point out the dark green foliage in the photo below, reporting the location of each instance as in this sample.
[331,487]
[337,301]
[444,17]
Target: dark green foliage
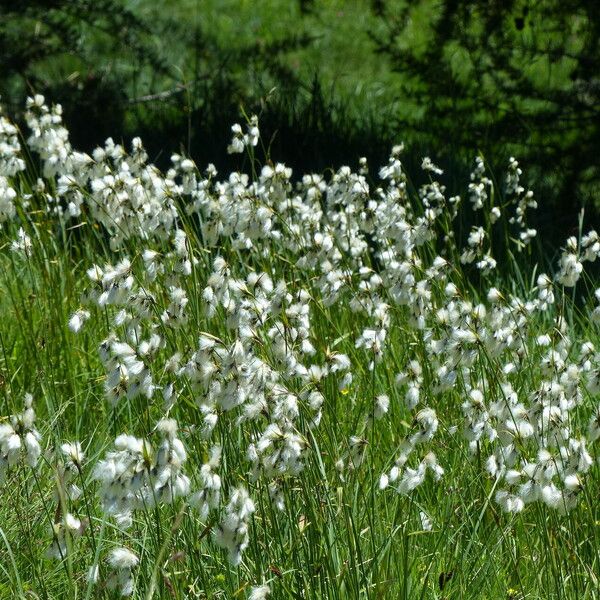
[308,130]
[506,77]
[45,44]
[116,74]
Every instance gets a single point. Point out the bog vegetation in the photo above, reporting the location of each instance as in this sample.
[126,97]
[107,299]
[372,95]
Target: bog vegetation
[252,385]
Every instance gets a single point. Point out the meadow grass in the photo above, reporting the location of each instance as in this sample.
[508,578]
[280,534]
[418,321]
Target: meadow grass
[358,254]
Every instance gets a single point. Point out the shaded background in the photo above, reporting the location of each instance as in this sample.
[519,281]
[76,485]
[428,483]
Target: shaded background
[331,80]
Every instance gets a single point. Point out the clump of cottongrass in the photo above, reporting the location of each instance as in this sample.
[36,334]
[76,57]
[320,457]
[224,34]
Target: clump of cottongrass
[122,562]
[7,200]
[260,592]
[64,533]
[261,369]
[134,476]
[69,467]
[78,319]
[19,439]
[232,534]
[208,490]
[22,245]
[241,140]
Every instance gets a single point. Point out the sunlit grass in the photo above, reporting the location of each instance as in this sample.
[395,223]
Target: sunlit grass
[329,529]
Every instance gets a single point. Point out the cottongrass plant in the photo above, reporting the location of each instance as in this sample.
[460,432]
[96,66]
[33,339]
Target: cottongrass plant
[287,387]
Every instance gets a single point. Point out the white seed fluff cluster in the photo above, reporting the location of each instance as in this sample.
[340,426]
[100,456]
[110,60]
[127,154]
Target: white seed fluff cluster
[19,440]
[207,311]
